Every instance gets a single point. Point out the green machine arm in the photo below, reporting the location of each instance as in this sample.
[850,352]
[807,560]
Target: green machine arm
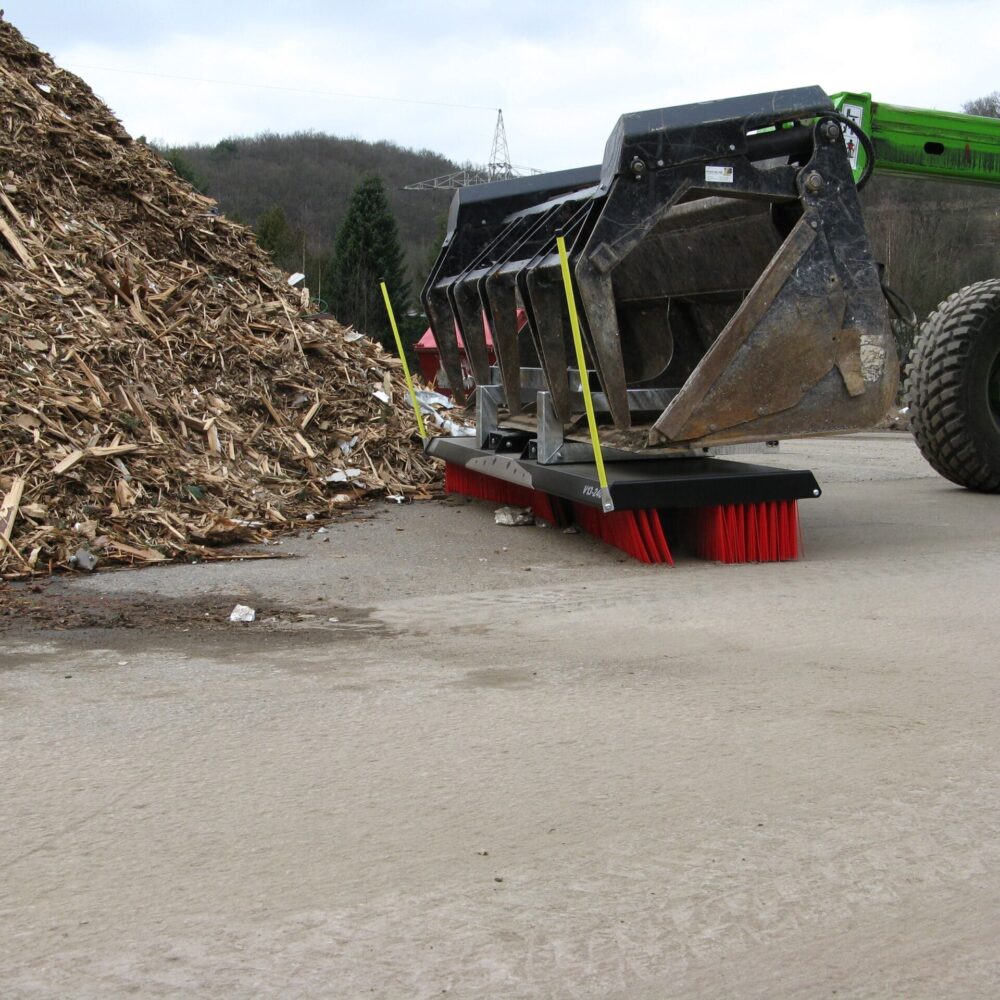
[938,145]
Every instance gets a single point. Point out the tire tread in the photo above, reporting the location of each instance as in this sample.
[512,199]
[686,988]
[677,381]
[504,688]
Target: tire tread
[936,386]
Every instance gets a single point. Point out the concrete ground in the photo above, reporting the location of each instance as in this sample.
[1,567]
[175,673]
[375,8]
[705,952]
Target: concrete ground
[519,766]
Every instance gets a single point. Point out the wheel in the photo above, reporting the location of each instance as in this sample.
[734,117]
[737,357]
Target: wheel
[953,388]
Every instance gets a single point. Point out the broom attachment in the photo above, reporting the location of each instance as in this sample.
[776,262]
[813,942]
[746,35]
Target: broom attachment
[767,531]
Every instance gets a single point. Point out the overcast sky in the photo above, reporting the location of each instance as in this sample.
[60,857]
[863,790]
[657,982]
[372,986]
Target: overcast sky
[561,71]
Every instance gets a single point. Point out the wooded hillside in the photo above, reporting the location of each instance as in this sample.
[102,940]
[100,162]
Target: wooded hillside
[310,176]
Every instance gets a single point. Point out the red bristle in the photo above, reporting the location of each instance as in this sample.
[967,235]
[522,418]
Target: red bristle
[662,548]
[652,532]
[709,528]
[548,508]
[756,552]
[792,541]
[637,533]
[770,511]
[645,535]
[470,483]
[742,533]
[455,478]
[729,541]
[765,532]
[633,541]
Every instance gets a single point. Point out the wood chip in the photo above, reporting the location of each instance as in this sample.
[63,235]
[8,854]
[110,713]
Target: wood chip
[9,507]
[68,462]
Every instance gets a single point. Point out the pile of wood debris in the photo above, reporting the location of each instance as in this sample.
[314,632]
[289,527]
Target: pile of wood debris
[161,390]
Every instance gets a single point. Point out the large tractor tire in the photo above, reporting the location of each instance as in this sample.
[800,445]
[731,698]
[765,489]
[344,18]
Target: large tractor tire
[954,388]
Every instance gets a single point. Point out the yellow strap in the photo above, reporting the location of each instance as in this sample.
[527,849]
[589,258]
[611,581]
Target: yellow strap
[581,364]
[402,357]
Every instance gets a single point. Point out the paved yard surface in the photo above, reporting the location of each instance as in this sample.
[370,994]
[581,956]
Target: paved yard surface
[517,765]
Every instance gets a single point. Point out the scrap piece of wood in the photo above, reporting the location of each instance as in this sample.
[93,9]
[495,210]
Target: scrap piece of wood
[105,451]
[214,444]
[16,245]
[9,507]
[13,548]
[9,205]
[275,416]
[305,444]
[310,413]
[135,552]
[68,462]
[91,378]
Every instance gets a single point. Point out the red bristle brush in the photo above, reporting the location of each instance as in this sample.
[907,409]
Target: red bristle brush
[767,531]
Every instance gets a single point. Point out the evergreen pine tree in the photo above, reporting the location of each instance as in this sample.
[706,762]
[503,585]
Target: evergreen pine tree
[183,168]
[278,238]
[368,249]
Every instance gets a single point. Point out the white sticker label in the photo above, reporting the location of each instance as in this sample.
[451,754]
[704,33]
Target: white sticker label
[719,175]
[854,112]
[873,355]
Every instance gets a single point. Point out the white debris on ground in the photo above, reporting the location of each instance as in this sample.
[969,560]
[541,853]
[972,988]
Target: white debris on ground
[897,419]
[514,517]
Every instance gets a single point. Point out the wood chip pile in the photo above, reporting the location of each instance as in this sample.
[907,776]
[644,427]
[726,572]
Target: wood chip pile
[161,391]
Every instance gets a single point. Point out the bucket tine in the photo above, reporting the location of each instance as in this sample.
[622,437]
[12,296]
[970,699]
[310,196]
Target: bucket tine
[548,307]
[499,292]
[465,300]
[443,322]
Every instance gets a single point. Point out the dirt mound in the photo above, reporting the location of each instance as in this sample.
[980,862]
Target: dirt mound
[160,389]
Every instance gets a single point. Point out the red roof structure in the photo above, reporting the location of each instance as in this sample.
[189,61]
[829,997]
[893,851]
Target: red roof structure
[430,358]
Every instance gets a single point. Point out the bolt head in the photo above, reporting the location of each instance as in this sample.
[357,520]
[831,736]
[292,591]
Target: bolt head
[814,183]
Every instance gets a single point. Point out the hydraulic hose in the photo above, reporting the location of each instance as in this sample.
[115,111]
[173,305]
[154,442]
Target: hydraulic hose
[866,144]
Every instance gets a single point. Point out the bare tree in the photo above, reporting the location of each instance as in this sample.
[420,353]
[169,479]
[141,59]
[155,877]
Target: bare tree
[987,106]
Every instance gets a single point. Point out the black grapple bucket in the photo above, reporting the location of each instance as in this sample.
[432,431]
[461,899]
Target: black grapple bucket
[725,284]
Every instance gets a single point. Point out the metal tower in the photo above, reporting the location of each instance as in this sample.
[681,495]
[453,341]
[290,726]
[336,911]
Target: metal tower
[499,167]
